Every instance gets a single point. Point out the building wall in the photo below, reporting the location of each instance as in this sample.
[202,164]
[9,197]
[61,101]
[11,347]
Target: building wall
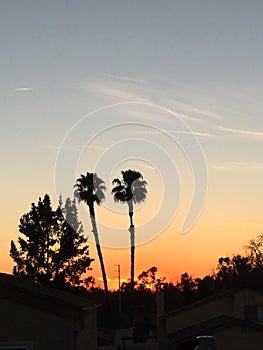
[228,305]
[87,335]
[199,313]
[233,305]
[239,337]
[20,322]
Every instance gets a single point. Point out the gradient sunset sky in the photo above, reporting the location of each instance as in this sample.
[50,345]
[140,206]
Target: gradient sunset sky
[200,61]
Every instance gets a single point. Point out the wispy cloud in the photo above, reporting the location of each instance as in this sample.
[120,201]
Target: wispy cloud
[183,132]
[97,147]
[242,131]
[59,147]
[122,94]
[126,79]
[164,116]
[234,166]
[195,133]
[235,224]
[23,89]
[122,89]
[196,111]
[147,166]
[74,147]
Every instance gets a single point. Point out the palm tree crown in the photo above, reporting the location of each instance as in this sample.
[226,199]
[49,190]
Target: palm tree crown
[89,189]
[130,189]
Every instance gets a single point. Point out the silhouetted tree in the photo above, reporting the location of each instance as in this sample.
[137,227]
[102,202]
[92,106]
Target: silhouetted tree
[89,283]
[50,249]
[187,286]
[233,272]
[148,281]
[205,286]
[255,253]
[90,189]
[131,189]
[225,272]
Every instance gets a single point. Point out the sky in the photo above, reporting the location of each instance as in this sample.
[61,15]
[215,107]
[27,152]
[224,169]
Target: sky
[172,89]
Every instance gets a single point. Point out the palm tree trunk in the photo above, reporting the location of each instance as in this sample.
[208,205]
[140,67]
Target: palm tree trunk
[99,252]
[132,238]
[131,215]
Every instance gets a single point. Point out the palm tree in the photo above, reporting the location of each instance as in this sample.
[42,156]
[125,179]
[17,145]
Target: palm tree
[131,189]
[90,189]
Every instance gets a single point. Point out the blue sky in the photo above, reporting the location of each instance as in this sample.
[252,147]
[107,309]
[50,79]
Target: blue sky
[61,60]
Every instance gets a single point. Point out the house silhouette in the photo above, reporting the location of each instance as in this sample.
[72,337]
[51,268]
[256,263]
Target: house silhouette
[234,320]
[37,317]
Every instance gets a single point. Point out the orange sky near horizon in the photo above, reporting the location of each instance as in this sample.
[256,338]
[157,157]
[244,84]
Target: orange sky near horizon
[196,252]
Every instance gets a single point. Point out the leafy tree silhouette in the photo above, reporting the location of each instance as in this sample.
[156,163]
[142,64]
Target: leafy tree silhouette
[51,250]
[255,251]
[90,189]
[233,272]
[148,281]
[131,189]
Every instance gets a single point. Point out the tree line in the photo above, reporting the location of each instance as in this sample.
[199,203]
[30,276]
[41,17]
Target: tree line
[231,273]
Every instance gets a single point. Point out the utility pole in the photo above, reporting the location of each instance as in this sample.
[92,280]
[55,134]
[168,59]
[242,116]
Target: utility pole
[119,276]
